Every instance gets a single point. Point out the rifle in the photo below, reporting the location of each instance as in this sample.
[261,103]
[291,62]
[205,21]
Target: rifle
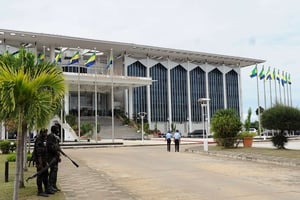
[42,170]
[64,154]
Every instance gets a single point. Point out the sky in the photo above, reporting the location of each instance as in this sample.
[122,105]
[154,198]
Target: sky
[260,29]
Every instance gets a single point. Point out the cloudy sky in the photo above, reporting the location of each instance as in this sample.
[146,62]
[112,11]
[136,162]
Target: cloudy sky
[262,29]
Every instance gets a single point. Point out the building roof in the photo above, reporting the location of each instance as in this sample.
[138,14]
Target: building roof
[17,38]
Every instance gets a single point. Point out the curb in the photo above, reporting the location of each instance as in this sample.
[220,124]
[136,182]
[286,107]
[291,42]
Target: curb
[251,157]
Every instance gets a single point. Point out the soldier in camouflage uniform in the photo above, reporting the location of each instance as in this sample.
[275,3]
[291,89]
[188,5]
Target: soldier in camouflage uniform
[53,155]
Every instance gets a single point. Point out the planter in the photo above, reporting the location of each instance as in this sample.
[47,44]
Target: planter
[247,141]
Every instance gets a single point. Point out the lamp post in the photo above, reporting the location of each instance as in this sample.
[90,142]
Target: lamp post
[204,106]
[142,115]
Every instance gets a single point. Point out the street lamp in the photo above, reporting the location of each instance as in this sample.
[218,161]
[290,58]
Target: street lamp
[142,115]
[204,106]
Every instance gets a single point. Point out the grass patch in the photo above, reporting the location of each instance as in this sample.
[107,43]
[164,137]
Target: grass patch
[282,153]
[30,190]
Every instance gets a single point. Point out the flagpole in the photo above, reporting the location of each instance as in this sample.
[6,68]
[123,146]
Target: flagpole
[278,76]
[291,94]
[112,97]
[96,104]
[265,101]
[282,83]
[274,78]
[78,99]
[257,88]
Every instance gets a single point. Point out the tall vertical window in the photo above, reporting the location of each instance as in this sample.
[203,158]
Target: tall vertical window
[197,85]
[159,93]
[140,93]
[179,94]
[232,89]
[216,92]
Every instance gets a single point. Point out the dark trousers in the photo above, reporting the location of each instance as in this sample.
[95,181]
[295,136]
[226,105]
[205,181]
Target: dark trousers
[53,175]
[42,179]
[168,144]
[176,145]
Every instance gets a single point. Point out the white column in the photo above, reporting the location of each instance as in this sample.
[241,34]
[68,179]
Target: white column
[130,104]
[52,53]
[169,96]
[207,96]
[240,93]
[67,104]
[224,86]
[189,98]
[126,90]
[148,95]
[2,131]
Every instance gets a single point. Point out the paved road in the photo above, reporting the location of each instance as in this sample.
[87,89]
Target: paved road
[150,172]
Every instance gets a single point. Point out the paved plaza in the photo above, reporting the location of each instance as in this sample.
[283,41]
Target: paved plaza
[145,172]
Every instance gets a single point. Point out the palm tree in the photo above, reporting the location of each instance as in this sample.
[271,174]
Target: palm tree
[31,93]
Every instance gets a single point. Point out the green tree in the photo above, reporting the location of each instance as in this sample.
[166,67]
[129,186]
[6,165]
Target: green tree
[282,118]
[225,125]
[30,92]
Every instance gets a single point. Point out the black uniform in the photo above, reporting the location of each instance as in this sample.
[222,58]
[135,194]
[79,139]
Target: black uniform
[40,156]
[53,156]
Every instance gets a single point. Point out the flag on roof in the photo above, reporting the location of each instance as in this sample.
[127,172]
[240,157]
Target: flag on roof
[262,73]
[110,61]
[91,61]
[268,75]
[58,57]
[254,72]
[74,59]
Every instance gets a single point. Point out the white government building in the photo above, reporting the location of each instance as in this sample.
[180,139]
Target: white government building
[162,82]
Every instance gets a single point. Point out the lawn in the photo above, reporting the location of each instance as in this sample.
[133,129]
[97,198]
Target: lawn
[283,153]
[27,193]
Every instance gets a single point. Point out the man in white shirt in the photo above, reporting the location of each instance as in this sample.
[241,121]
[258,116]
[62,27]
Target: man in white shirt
[168,138]
[177,137]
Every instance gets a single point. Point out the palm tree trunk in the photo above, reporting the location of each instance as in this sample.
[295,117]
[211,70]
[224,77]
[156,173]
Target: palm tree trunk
[18,157]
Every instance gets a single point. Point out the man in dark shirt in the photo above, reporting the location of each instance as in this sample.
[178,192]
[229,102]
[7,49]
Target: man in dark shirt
[53,156]
[40,155]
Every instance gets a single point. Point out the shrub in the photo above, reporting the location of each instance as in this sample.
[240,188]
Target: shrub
[279,140]
[5,146]
[226,124]
[11,158]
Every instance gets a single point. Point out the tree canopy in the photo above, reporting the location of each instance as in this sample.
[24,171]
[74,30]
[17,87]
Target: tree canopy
[30,92]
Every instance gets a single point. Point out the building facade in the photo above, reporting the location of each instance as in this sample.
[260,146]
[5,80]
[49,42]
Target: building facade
[164,83]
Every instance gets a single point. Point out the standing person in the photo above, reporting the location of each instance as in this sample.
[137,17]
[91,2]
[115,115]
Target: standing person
[40,158]
[53,156]
[177,137]
[168,138]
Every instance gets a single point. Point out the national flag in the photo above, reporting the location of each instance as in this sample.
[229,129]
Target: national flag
[262,73]
[283,81]
[91,61]
[268,75]
[254,72]
[58,57]
[74,59]
[41,57]
[278,77]
[289,79]
[110,61]
[274,74]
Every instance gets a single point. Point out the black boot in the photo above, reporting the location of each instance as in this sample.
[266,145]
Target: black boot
[42,194]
